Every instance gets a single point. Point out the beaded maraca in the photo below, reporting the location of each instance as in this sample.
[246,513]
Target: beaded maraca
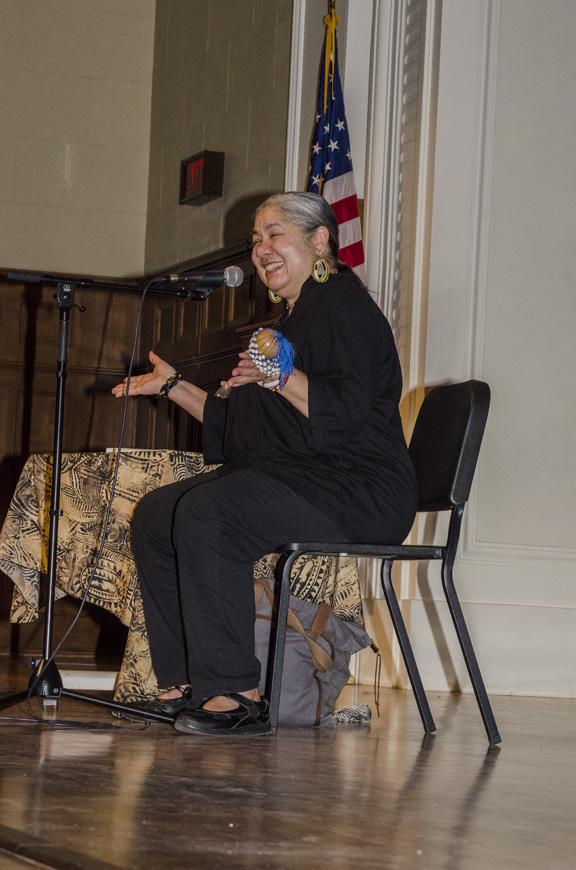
[274,355]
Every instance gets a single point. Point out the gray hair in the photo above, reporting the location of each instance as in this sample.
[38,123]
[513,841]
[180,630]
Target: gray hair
[308,211]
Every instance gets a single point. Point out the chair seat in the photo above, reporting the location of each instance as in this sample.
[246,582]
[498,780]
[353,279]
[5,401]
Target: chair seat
[382,551]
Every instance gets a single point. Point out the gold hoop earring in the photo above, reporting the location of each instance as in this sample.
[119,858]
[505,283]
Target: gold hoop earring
[320,270]
[273,297]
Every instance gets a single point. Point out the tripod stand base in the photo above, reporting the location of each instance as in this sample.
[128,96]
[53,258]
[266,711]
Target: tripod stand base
[14,698]
[45,682]
[132,709]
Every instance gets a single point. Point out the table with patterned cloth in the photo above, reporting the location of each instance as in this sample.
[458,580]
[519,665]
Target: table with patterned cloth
[84,494]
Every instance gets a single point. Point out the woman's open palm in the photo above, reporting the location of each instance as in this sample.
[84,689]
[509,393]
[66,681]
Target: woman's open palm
[148,384]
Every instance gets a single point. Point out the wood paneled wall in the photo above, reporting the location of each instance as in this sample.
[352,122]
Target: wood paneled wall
[202,339]
[99,339]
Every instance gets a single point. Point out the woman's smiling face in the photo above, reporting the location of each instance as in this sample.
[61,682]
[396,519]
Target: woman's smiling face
[282,254]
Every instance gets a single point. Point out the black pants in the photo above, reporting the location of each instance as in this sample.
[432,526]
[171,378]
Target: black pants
[195,543]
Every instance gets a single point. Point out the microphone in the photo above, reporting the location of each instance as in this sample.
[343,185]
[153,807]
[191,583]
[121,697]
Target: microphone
[232,276]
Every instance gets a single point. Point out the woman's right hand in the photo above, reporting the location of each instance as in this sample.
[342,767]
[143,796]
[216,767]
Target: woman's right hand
[148,384]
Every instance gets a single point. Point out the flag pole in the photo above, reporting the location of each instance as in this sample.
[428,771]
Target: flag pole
[331,22]
[330,172]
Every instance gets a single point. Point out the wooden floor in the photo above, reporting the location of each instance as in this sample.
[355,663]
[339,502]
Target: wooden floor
[351,797]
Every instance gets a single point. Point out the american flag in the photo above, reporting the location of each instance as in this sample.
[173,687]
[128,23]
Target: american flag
[331,172]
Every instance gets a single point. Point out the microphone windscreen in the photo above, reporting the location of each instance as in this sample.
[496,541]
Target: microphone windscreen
[233,276]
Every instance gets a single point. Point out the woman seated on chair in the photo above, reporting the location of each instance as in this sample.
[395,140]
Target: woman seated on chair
[310,451]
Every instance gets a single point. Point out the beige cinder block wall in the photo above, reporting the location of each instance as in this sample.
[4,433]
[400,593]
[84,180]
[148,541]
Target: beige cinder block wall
[75,90]
[221,73]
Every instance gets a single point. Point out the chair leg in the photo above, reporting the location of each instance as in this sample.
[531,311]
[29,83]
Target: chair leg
[406,648]
[278,634]
[468,653]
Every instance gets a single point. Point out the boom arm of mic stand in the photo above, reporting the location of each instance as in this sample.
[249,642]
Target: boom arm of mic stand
[84,283]
[183,290]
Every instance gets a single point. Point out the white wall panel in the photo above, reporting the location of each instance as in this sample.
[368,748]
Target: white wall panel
[502,308]
[521,650]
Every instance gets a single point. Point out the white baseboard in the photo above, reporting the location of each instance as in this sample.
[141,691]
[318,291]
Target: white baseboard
[98,681]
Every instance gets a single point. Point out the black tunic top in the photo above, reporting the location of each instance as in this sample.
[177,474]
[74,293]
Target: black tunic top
[349,457]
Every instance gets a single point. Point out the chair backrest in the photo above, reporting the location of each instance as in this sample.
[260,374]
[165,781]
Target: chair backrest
[446,441]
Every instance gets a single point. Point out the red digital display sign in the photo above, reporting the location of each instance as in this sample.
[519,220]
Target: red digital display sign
[201,177]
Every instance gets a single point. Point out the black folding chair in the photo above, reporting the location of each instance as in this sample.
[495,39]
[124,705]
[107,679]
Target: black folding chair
[444,449]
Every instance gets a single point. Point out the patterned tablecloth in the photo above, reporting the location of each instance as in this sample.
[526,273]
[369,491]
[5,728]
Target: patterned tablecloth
[85,489]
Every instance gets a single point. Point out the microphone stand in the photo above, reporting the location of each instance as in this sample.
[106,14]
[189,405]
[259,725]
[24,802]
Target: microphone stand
[46,680]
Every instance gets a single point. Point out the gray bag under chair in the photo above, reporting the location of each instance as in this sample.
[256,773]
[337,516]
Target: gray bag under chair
[316,658]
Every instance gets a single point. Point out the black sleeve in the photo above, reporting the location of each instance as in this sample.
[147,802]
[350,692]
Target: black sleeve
[346,348]
[213,427]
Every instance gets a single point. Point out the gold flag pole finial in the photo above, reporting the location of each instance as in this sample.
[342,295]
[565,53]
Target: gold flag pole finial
[331,22]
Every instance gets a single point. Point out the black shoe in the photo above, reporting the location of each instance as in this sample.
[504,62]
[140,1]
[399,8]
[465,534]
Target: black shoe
[249,719]
[167,707]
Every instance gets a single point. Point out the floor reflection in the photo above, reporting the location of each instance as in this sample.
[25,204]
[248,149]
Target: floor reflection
[355,796]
